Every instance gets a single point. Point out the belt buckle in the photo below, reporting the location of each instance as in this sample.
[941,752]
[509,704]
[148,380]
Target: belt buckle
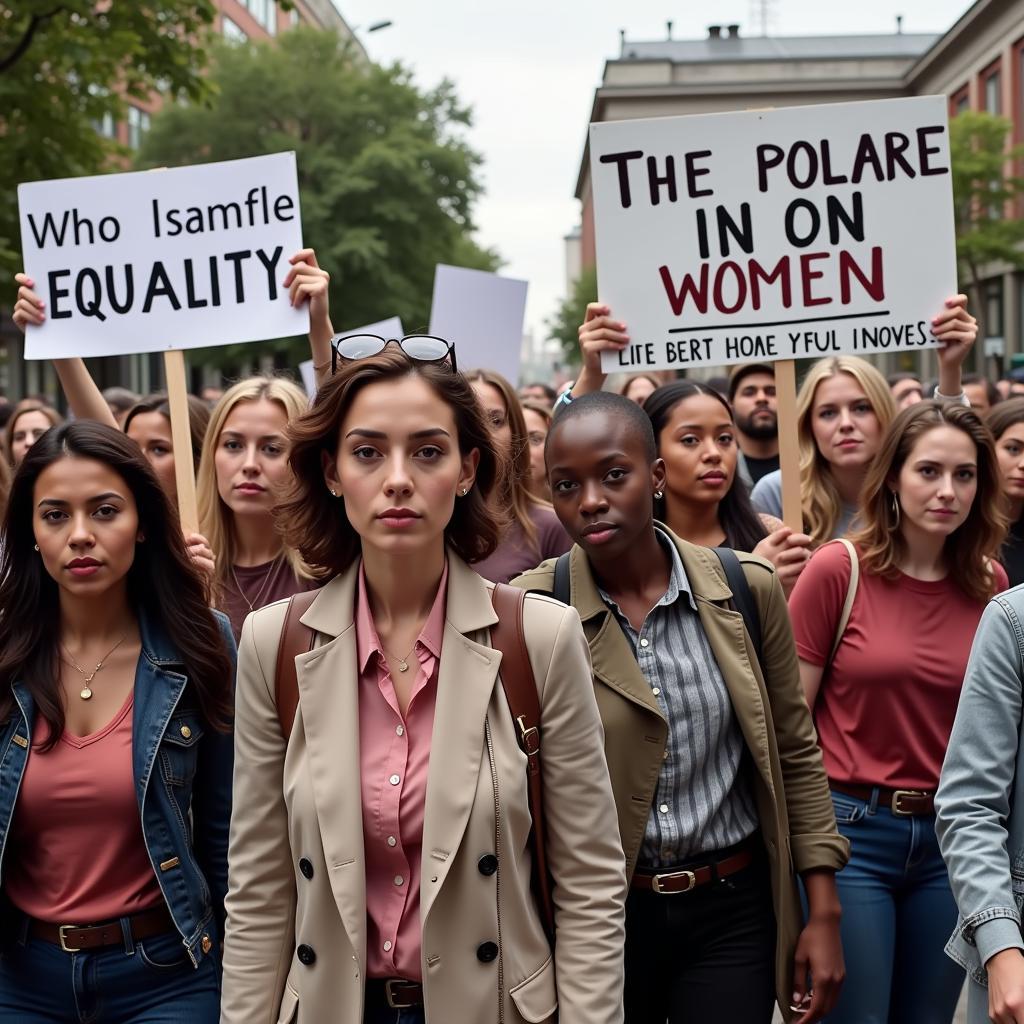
[688,875]
[389,995]
[897,795]
[64,939]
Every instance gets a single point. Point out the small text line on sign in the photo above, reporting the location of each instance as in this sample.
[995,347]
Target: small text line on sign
[792,233]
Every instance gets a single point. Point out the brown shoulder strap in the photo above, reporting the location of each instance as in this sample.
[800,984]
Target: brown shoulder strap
[520,687]
[295,639]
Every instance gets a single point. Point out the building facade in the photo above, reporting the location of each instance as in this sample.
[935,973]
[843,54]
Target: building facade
[978,64]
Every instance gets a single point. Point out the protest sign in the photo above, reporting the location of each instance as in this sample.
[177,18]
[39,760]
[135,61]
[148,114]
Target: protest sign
[390,328]
[773,235]
[482,314]
[158,260]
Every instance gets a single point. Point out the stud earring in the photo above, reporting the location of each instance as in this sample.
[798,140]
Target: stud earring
[895,506]
[334,493]
[464,491]
[658,495]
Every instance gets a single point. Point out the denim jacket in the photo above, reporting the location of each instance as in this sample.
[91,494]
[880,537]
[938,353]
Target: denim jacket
[980,800]
[182,772]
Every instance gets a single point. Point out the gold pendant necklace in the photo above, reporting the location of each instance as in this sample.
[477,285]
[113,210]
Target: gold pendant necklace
[86,692]
[403,663]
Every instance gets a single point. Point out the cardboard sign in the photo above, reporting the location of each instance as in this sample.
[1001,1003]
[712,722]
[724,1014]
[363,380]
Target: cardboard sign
[155,260]
[390,328]
[778,234]
[482,314]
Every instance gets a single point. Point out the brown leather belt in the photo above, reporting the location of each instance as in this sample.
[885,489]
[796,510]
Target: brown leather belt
[908,803]
[72,938]
[397,993]
[670,883]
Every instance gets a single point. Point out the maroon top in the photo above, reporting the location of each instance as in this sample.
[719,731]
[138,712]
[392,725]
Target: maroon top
[886,704]
[261,585]
[514,555]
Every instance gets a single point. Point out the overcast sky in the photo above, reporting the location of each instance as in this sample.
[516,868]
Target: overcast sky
[529,71]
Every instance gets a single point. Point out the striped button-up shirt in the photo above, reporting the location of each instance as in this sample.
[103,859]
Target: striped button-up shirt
[703,801]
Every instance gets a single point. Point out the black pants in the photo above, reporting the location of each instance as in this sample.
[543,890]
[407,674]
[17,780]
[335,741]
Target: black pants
[702,957]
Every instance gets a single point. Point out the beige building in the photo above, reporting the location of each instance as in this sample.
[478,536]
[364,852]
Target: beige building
[978,64]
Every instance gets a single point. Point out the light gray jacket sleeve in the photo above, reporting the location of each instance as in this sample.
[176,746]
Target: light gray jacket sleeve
[767,494]
[973,802]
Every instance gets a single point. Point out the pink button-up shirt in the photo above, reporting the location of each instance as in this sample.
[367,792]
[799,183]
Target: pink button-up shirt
[393,759]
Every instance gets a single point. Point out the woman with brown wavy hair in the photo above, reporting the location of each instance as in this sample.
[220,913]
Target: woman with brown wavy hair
[883,626]
[533,532]
[380,853]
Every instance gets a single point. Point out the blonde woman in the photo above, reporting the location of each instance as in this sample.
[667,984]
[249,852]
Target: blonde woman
[243,469]
[534,532]
[843,410]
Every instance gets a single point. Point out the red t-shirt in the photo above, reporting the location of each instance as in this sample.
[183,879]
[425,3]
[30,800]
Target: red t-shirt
[886,704]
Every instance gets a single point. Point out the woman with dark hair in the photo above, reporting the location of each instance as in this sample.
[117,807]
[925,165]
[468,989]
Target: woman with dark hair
[533,531]
[883,625]
[148,424]
[29,421]
[703,500]
[1006,421]
[639,388]
[380,847]
[115,697]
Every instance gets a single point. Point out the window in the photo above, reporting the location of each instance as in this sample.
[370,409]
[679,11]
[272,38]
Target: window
[138,125]
[264,11]
[994,308]
[993,86]
[232,32]
[106,126]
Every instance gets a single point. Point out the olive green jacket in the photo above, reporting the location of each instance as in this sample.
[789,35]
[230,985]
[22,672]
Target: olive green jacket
[790,787]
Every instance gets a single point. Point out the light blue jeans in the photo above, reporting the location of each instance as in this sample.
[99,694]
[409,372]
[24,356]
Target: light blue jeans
[898,911]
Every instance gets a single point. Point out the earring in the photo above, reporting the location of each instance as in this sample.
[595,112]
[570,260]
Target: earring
[658,495]
[895,506]
[36,546]
[464,491]
[334,493]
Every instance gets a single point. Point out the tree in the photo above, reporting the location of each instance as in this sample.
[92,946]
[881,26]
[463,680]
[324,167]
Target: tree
[387,182]
[65,66]
[564,325]
[985,193]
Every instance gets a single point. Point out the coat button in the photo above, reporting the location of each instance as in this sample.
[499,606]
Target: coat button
[486,952]
[487,864]
[206,945]
[307,955]
[306,868]
[186,732]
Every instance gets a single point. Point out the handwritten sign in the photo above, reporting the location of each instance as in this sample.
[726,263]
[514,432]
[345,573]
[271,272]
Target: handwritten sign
[159,260]
[780,234]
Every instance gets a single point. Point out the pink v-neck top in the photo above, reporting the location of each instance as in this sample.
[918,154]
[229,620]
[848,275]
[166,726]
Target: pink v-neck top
[77,853]
[394,753]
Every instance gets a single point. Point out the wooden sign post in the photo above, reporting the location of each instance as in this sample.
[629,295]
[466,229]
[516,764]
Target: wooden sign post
[181,436]
[789,444]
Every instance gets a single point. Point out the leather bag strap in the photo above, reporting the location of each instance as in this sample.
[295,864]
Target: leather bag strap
[296,639]
[520,687]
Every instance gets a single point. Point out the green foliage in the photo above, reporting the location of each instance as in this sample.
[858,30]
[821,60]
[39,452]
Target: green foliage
[64,66]
[387,182]
[564,325]
[983,189]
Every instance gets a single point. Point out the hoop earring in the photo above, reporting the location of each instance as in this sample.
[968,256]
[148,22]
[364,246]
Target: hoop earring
[895,504]
[36,546]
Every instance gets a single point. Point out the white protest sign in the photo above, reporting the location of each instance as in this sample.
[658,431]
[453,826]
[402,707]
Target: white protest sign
[156,260]
[387,329]
[482,314]
[776,234]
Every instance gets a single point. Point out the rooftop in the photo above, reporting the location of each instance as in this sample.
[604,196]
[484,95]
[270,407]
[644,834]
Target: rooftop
[747,48]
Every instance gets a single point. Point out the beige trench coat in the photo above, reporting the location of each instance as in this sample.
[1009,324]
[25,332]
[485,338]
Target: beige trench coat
[305,802]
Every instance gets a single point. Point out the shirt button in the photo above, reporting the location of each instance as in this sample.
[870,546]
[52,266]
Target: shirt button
[656,691]
[663,808]
[387,946]
[392,841]
[643,642]
[400,731]
[394,780]
[399,880]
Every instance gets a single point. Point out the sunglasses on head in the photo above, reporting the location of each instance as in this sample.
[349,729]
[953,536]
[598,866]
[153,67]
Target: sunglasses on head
[422,348]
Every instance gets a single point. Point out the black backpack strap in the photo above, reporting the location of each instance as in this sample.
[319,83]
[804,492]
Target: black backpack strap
[742,596]
[563,590]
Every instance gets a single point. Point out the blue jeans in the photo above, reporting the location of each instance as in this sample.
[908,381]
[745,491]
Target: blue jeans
[386,1015]
[151,981]
[898,911]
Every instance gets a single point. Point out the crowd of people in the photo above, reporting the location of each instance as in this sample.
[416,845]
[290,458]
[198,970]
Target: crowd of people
[759,766]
